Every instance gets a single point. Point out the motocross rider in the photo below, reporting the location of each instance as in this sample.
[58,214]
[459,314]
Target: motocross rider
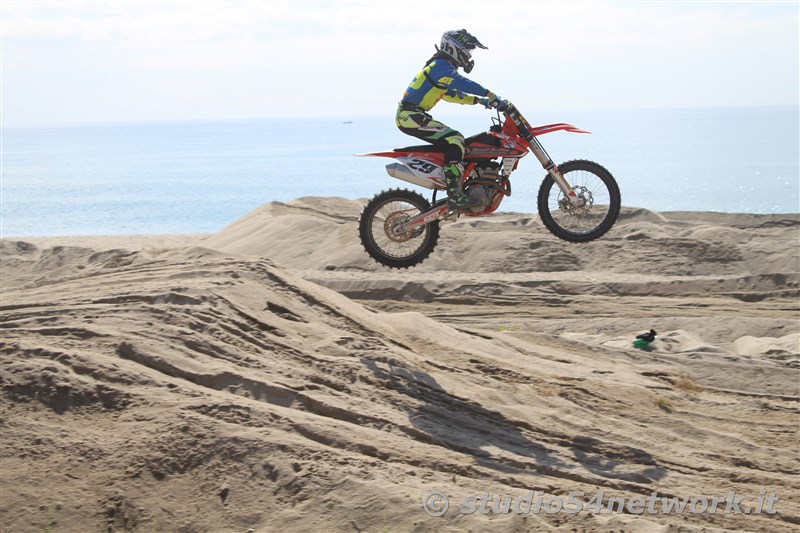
[440,79]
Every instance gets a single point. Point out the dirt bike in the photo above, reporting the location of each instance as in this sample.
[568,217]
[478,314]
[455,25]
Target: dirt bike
[578,201]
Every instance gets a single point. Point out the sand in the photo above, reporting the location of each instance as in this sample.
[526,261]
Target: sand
[272,377]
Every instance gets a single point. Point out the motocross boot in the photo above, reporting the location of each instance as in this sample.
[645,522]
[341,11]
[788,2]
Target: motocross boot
[457,198]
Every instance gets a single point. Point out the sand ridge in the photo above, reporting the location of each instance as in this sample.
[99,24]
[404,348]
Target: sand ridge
[273,377]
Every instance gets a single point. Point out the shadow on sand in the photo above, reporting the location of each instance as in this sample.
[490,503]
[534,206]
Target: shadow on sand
[467,427]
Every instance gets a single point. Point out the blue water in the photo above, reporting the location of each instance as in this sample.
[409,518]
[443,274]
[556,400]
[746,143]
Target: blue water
[198,177]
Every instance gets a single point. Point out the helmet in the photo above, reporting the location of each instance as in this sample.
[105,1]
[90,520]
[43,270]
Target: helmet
[458,45]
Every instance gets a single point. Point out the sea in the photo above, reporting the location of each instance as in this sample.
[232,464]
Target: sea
[200,176]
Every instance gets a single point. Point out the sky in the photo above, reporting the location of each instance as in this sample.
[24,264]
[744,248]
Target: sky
[75,61]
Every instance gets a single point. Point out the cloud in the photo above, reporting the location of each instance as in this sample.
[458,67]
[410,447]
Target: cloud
[246,57]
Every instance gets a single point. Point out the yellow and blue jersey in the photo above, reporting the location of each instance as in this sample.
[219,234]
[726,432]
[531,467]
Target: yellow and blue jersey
[441,80]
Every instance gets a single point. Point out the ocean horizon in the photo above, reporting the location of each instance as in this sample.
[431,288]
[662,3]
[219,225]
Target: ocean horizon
[198,176]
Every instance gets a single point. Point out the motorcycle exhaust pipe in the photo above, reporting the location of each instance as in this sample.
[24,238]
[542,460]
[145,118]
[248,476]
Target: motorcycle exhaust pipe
[402,172]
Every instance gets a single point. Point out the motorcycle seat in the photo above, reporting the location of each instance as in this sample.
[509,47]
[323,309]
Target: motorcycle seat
[480,137]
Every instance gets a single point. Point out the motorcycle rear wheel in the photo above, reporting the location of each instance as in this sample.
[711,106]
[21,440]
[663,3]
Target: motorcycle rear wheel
[387,209]
[580,223]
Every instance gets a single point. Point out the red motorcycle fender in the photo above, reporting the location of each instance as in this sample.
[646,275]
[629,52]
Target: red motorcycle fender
[550,128]
[433,157]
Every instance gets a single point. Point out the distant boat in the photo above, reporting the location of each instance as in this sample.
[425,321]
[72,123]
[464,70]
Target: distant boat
[347,122]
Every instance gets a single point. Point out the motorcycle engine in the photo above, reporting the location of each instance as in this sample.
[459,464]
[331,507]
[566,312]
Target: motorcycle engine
[483,193]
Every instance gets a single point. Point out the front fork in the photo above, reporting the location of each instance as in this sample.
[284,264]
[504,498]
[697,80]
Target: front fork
[538,150]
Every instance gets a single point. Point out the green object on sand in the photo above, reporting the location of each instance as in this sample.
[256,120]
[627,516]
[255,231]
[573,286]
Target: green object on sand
[641,344]
[643,340]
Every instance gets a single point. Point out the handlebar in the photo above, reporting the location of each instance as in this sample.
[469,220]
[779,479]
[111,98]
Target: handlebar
[510,111]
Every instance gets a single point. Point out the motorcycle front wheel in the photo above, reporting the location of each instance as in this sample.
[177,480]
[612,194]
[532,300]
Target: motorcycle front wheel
[388,210]
[597,210]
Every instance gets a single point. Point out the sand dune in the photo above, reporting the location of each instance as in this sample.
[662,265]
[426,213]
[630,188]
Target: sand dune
[272,377]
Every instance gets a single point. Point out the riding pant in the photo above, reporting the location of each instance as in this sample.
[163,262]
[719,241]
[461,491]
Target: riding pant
[420,124]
